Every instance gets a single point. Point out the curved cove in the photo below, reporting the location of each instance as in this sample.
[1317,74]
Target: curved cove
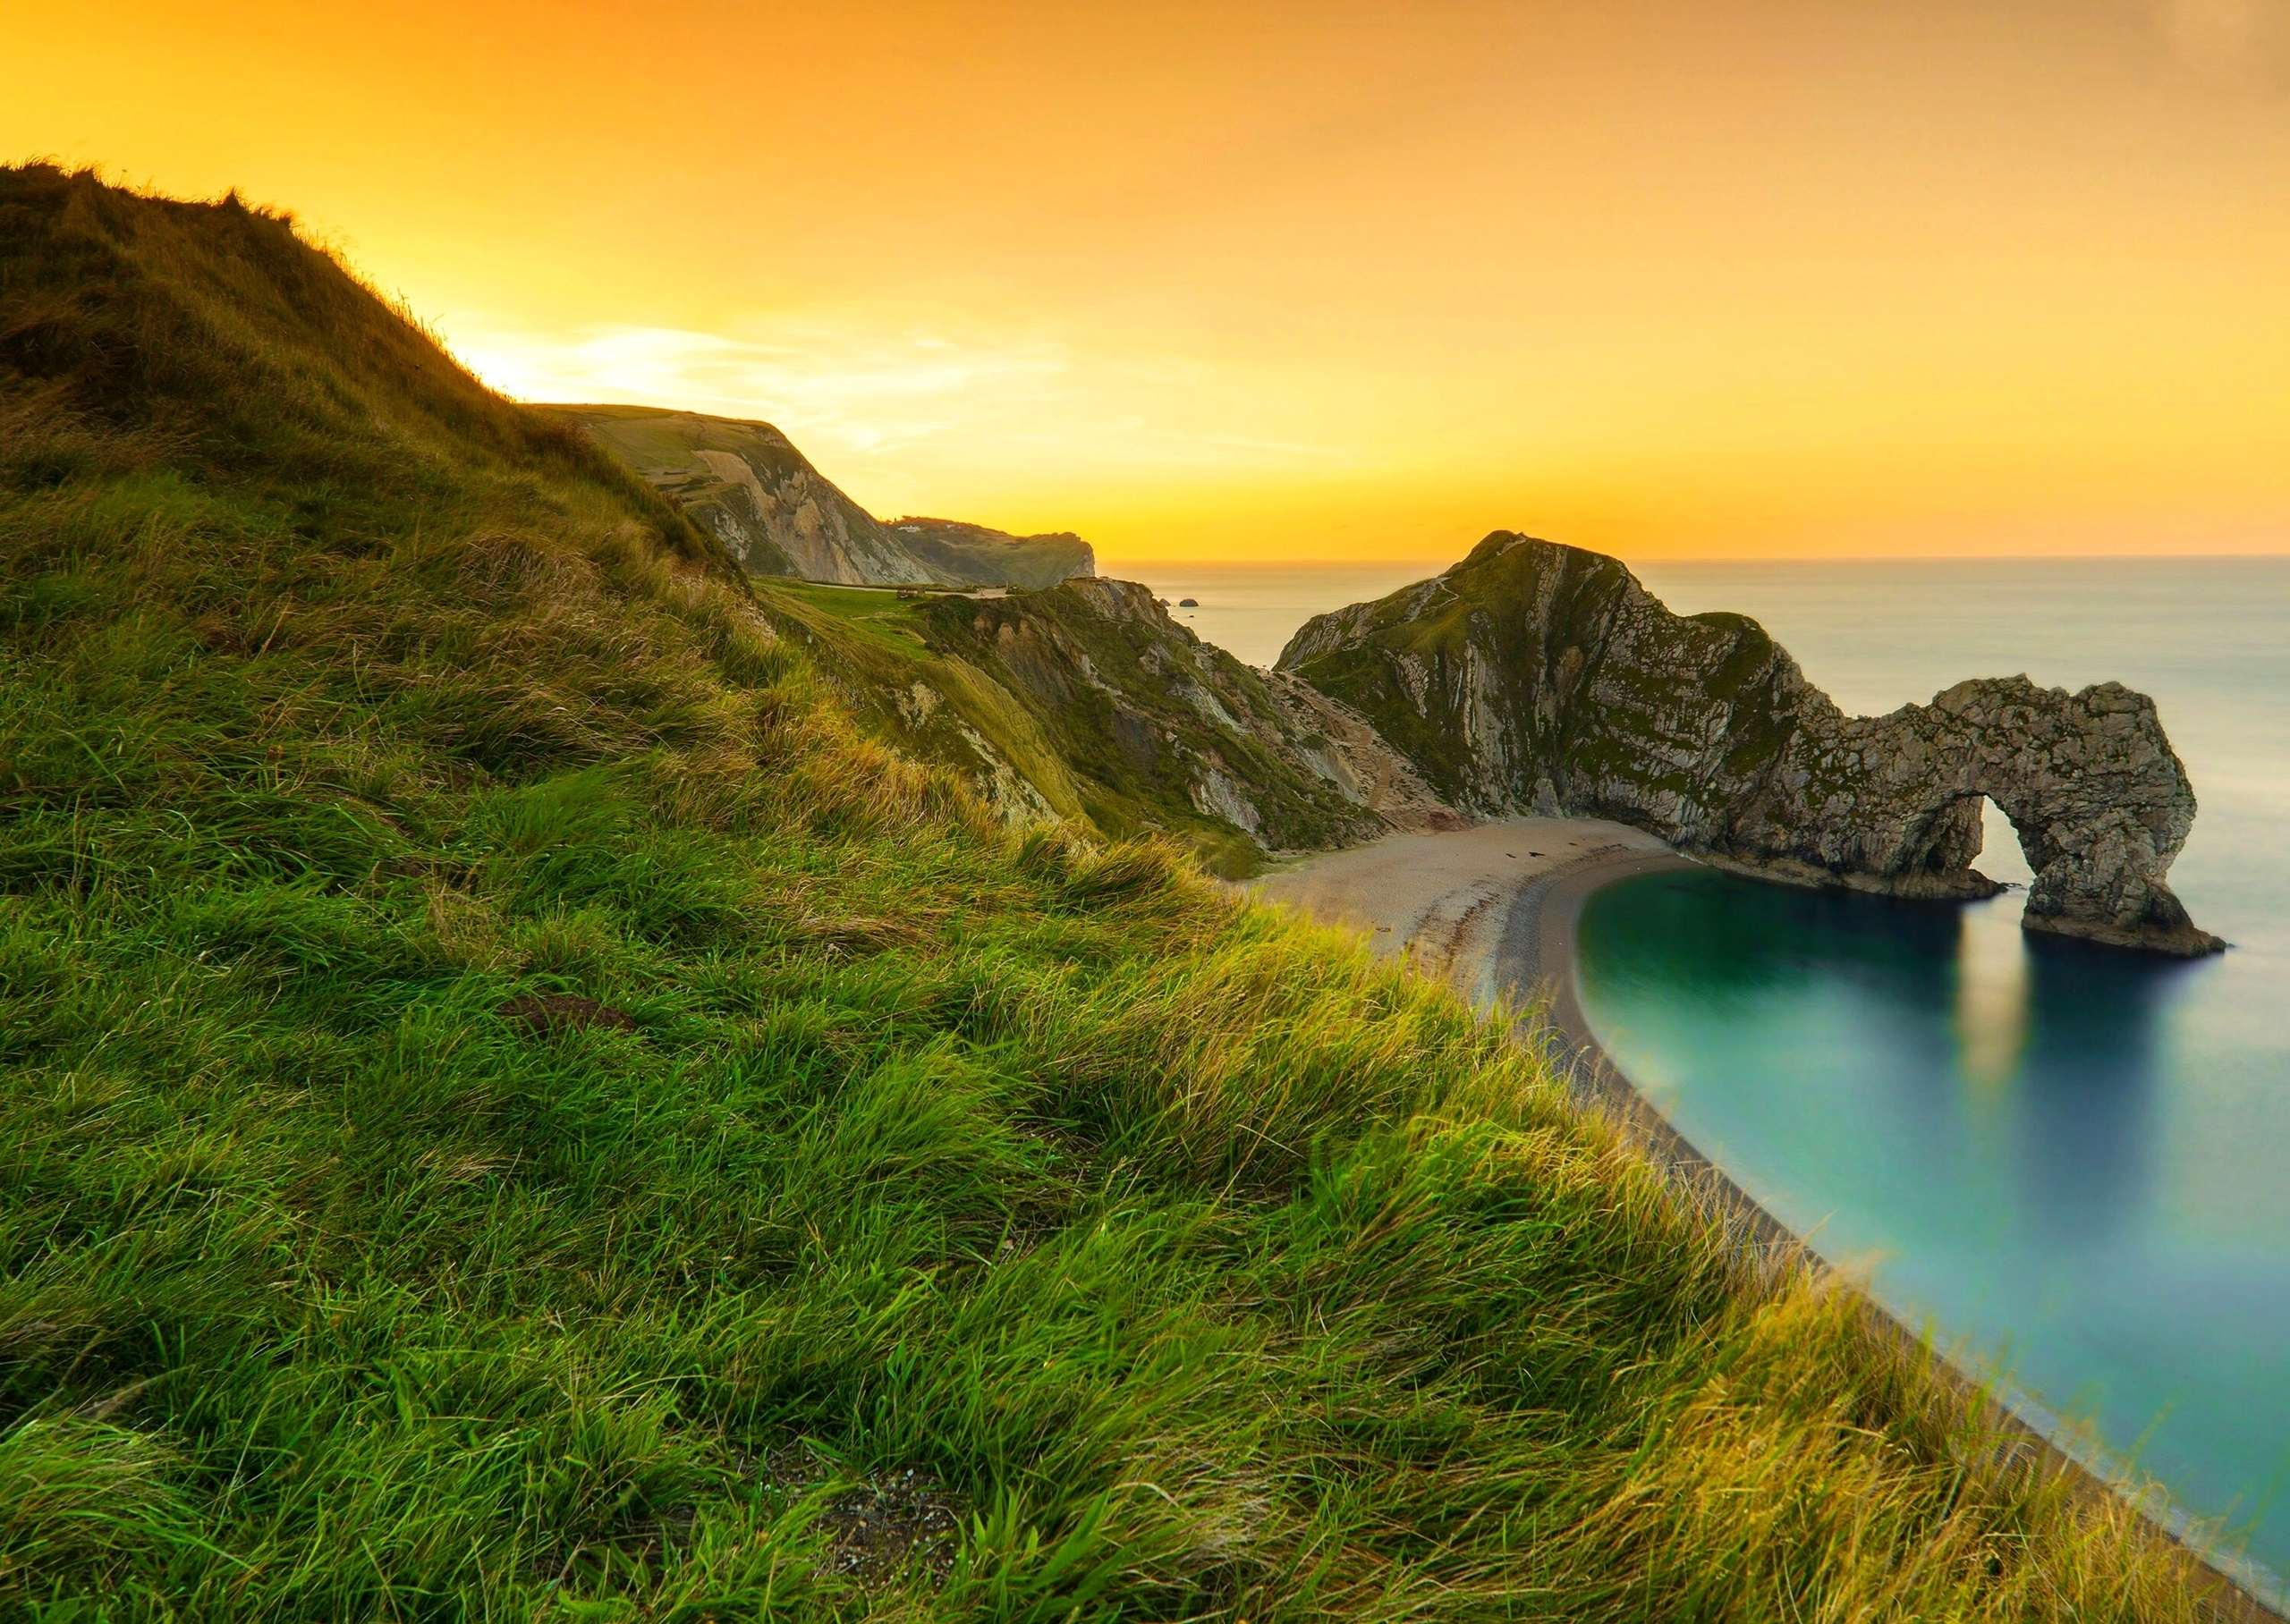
[2016,1136]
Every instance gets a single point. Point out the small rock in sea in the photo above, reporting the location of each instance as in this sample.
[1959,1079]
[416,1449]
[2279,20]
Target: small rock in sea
[1187,603]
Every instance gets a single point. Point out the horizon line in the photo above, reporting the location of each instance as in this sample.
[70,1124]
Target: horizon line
[1413,561]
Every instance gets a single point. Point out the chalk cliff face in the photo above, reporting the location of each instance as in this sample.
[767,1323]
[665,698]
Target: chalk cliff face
[1533,677]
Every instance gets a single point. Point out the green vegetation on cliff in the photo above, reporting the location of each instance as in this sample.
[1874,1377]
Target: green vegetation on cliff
[1163,731]
[517,1106]
[1085,703]
[1520,675]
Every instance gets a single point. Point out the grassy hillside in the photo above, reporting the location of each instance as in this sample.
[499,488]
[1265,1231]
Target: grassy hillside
[1165,731]
[515,1108]
[869,647]
[978,555]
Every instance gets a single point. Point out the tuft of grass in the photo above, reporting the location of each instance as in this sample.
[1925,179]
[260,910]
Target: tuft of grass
[1197,1267]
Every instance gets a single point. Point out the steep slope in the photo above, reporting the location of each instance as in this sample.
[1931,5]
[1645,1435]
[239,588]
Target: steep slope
[1159,725]
[748,486]
[1087,702]
[1537,677]
[517,1108]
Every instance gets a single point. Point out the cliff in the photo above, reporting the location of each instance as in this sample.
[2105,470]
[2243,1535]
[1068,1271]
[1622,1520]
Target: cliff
[1088,703]
[1534,677]
[748,486]
[1160,727]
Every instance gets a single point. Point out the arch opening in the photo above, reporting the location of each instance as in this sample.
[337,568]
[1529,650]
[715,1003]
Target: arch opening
[2002,857]
[1991,1003]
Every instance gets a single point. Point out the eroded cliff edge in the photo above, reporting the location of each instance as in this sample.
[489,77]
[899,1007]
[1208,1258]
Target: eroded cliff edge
[1538,677]
[745,484]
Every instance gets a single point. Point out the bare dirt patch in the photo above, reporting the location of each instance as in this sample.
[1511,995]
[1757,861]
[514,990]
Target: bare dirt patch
[543,1013]
[894,1524]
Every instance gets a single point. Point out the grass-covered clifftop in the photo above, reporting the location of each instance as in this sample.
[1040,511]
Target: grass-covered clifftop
[1162,730]
[1086,702]
[515,1107]
[745,484]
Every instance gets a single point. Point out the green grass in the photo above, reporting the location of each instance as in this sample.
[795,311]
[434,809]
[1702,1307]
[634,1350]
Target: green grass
[1082,672]
[1204,1269]
[874,611]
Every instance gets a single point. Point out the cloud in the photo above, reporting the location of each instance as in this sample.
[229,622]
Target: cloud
[865,392]
[907,400]
[2235,41]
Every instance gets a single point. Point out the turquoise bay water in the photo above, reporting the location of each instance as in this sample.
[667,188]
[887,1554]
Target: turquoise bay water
[2072,1162]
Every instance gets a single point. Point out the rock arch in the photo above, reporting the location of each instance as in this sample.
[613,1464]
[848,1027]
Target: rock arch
[2092,788]
[1536,677]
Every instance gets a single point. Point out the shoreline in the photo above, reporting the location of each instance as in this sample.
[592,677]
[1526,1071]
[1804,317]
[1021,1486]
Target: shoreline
[1445,900]
[1505,941]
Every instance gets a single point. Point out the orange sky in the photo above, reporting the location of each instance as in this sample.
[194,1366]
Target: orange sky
[1320,280]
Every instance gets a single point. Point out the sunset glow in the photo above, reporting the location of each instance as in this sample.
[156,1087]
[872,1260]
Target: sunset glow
[1314,281]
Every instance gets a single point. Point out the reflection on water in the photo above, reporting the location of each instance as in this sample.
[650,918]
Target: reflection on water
[1982,1041]
[1991,1017]
[1985,1111]
[2060,1041]
[2087,1087]
[2080,1158]
[1715,937]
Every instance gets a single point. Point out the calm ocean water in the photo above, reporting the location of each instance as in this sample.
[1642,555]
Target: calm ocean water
[2071,1162]
[1252,610]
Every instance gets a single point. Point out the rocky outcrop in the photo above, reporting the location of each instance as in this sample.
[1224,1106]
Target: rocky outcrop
[746,484]
[1339,744]
[1157,727]
[1538,677]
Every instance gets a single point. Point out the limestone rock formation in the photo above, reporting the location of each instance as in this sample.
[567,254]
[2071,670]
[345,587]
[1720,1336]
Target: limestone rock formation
[1339,744]
[1533,677]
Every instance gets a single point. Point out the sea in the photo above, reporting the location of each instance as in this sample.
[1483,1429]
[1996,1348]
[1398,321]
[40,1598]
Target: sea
[2068,1165]
[1253,610]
